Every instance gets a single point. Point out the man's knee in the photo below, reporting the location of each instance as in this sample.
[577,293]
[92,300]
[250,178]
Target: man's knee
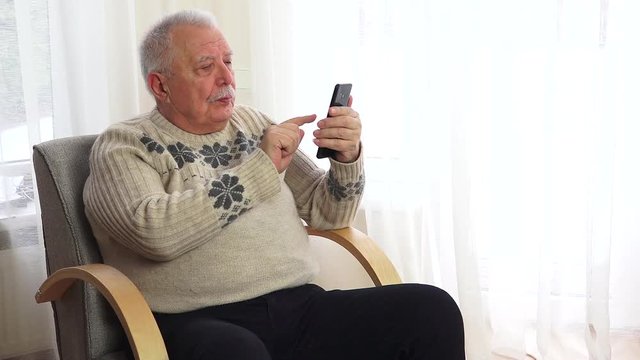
[217,341]
[427,309]
[439,299]
[435,321]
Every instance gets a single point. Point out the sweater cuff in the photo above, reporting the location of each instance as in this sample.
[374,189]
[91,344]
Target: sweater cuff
[348,172]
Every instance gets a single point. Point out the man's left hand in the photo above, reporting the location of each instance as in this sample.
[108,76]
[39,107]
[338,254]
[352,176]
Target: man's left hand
[341,132]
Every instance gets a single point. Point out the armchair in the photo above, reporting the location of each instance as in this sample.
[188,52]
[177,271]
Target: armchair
[110,319]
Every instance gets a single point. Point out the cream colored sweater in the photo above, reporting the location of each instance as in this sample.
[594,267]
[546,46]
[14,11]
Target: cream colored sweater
[201,220]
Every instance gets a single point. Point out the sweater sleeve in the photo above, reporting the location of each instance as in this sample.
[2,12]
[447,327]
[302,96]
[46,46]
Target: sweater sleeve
[326,200]
[162,213]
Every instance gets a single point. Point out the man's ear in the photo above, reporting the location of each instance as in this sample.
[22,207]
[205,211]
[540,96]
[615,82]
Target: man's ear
[157,86]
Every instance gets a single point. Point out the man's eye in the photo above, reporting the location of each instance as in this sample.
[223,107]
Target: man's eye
[228,63]
[207,67]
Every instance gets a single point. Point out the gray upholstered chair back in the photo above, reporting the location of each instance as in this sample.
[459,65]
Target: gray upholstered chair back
[86,327]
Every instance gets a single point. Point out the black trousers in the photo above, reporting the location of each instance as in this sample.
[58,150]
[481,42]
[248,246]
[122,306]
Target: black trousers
[407,321]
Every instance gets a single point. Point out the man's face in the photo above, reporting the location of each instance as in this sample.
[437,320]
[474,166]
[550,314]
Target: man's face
[200,73]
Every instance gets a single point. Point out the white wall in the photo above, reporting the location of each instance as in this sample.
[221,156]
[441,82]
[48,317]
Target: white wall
[233,18]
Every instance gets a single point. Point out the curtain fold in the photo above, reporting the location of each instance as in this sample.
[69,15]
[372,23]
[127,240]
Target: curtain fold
[94,64]
[500,144]
[499,155]
[25,119]
[69,67]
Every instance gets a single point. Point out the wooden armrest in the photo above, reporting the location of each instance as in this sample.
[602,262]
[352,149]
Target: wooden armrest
[125,298]
[364,249]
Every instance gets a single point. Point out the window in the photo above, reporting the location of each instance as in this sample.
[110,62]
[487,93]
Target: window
[25,100]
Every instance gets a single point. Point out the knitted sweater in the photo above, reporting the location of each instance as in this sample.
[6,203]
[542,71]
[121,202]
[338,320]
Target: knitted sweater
[201,220]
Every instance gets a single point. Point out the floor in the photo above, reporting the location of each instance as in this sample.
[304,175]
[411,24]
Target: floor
[622,348]
[41,355]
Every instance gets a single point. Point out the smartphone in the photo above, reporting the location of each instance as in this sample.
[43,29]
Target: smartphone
[340,97]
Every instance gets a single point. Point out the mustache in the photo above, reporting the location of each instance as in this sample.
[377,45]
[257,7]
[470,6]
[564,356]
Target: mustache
[226,91]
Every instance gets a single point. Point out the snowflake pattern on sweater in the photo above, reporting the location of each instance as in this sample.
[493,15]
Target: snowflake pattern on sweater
[347,191]
[228,191]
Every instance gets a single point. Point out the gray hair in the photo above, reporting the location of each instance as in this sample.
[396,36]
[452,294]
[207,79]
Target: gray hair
[156,53]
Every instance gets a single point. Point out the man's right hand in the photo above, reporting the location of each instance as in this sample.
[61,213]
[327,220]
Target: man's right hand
[281,141]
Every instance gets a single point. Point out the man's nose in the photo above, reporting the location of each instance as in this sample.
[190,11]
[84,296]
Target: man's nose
[225,75]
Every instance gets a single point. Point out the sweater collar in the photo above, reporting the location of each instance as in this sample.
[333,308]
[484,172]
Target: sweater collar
[167,126]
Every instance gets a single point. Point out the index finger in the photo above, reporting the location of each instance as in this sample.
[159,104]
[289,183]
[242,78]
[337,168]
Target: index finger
[301,120]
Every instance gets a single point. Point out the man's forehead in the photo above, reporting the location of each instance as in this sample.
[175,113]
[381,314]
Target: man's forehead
[219,44]
[190,36]
[208,50]
[209,57]
[205,51]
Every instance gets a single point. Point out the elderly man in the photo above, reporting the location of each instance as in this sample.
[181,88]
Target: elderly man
[199,202]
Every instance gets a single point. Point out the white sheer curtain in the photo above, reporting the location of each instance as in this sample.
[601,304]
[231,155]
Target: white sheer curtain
[499,135]
[95,75]
[26,114]
[69,67]
[501,153]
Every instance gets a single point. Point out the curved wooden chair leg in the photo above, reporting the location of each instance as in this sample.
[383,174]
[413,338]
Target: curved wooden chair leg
[125,298]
